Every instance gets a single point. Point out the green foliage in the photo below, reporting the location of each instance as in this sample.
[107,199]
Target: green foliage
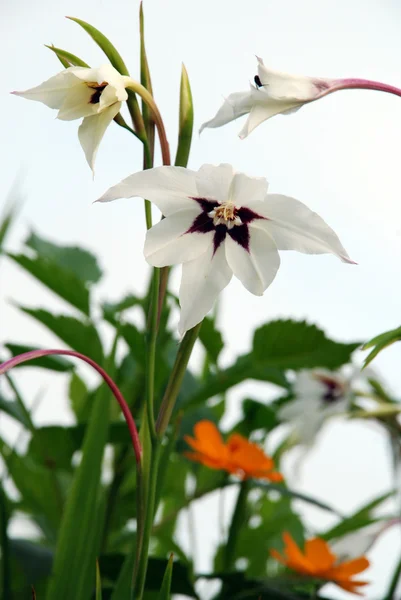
[186,121]
[66,58]
[380,342]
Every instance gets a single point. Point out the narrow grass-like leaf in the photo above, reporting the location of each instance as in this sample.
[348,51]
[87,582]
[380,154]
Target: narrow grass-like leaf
[98,583]
[380,342]
[164,593]
[186,121]
[6,586]
[66,58]
[147,83]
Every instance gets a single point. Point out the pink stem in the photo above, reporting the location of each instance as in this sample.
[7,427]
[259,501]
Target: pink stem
[26,356]
[360,84]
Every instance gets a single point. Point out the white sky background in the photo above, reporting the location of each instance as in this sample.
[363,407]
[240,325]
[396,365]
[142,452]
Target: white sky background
[341,156]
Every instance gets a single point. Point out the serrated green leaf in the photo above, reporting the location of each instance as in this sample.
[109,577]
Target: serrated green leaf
[80,336]
[380,342]
[186,121]
[52,363]
[62,282]
[72,258]
[211,338]
[66,58]
[298,345]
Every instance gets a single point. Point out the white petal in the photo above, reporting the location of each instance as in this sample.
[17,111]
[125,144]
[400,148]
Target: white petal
[214,181]
[295,227]
[236,105]
[265,107]
[170,188]
[53,91]
[105,74]
[92,130]
[257,268]
[247,191]
[285,86]
[77,103]
[202,281]
[167,242]
[108,97]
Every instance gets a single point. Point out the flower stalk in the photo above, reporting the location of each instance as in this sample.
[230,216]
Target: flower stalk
[235,527]
[175,380]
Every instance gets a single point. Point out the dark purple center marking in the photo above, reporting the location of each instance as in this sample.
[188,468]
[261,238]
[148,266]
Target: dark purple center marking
[334,390]
[204,223]
[257,81]
[98,87]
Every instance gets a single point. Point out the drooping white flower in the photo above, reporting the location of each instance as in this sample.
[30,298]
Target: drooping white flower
[276,93]
[219,223]
[319,395]
[79,92]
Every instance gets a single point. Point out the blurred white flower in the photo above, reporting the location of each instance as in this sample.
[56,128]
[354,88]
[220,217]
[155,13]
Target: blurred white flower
[276,93]
[319,395]
[219,223]
[79,92]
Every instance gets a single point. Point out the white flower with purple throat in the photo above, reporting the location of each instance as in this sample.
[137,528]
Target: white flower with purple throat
[219,223]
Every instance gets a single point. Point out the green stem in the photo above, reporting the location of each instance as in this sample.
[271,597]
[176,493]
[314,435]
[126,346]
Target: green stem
[394,583]
[175,380]
[151,351]
[140,575]
[236,523]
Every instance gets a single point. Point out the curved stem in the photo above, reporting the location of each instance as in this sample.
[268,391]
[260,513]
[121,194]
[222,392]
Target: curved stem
[27,356]
[147,97]
[175,380]
[359,84]
[151,351]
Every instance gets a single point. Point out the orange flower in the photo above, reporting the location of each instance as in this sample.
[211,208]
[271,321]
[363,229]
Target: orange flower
[318,561]
[238,456]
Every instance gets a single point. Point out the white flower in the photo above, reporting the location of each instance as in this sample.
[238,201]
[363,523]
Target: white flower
[319,395]
[219,223]
[79,92]
[276,93]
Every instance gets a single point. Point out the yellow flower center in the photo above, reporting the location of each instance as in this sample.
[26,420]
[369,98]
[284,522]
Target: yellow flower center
[225,214]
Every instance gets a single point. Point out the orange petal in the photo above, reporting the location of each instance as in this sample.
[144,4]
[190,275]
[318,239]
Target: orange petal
[275,554]
[298,561]
[351,586]
[205,460]
[351,567]
[207,439]
[319,554]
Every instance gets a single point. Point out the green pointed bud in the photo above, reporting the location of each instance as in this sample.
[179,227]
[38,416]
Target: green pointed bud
[147,83]
[116,60]
[164,593]
[98,583]
[66,58]
[186,123]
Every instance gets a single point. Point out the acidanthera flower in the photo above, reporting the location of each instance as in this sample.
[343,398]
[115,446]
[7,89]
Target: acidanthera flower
[276,93]
[219,223]
[319,395]
[79,92]
[238,456]
[318,562]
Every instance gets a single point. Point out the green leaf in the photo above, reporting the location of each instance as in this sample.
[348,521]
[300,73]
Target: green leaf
[147,83]
[164,593]
[6,222]
[66,58]
[14,410]
[256,415]
[36,560]
[286,493]
[62,282]
[77,260]
[80,336]
[52,363]
[80,531]
[380,342]
[244,368]
[6,585]
[362,517]
[112,310]
[211,339]
[104,44]
[79,398]
[98,583]
[298,345]
[186,121]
